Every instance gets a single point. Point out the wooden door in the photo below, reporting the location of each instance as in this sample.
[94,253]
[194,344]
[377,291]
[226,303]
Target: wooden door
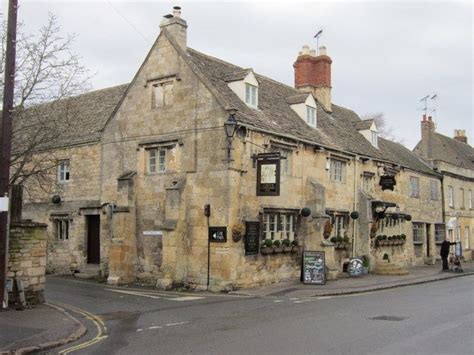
[93,239]
[428,238]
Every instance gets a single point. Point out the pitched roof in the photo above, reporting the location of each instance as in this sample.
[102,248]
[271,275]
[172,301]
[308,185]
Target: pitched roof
[364,124]
[452,151]
[66,122]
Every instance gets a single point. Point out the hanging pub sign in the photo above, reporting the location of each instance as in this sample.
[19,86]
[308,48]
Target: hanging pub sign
[268,174]
[313,268]
[252,237]
[218,234]
[387,182]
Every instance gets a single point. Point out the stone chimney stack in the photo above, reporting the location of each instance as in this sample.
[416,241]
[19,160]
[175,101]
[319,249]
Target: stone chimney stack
[313,74]
[427,130]
[460,135]
[176,27]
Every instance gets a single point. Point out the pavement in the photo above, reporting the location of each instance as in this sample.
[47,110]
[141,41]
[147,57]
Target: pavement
[47,326]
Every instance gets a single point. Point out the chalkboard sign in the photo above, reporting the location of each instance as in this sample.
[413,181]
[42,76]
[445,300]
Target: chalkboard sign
[355,267]
[314,267]
[218,234]
[252,237]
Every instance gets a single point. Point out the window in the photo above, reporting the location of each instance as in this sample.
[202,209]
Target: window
[418,233]
[440,233]
[374,138]
[434,190]
[311,116]
[469,199]
[450,196]
[61,229]
[338,170]
[279,225]
[63,171]
[162,94]
[367,182]
[466,237]
[285,165]
[414,187]
[458,233]
[339,226]
[251,95]
[461,197]
[156,160]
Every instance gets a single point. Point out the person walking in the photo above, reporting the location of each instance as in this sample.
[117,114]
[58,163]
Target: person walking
[444,252]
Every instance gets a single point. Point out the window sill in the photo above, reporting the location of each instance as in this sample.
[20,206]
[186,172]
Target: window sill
[418,243]
[415,196]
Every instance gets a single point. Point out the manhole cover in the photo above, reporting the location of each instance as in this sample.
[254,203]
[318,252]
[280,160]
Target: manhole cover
[389,318]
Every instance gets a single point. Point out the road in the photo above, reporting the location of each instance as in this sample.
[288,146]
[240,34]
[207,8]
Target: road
[433,318]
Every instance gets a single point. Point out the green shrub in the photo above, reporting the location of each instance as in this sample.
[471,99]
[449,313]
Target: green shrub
[346,239]
[268,243]
[339,239]
[276,243]
[294,243]
[333,239]
[286,242]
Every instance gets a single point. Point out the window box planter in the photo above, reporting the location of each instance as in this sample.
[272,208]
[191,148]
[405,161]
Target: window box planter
[340,245]
[266,250]
[277,250]
[287,248]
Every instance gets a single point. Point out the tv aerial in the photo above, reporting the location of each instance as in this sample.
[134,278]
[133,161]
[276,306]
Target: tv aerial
[317,35]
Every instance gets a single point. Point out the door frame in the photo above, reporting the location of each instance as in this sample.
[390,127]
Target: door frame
[92,258]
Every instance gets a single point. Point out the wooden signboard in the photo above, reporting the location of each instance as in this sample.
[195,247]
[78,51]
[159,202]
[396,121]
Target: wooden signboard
[217,234]
[268,174]
[252,237]
[387,182]
[314,268]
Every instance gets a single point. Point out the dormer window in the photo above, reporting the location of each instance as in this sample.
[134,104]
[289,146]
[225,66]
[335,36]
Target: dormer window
[244,84]
[311,116]
[375,142]
[251,95]
[305,106]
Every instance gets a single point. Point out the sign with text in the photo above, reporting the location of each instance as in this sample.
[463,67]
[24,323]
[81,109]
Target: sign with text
[314,268]
[387,182]
[252,237]
[218,234]
[268,174]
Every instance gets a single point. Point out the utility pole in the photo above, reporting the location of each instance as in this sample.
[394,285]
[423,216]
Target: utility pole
[6,141]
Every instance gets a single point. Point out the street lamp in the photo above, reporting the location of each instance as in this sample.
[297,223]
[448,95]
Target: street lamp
[230,127]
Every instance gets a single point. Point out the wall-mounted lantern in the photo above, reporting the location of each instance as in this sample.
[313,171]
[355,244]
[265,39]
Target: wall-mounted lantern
[230,127]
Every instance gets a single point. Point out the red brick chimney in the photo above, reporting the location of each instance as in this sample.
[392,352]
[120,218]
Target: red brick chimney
[313,74]
[460,135]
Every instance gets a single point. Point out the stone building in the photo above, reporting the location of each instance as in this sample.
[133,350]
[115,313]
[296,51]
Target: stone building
[196,162]
[454,159]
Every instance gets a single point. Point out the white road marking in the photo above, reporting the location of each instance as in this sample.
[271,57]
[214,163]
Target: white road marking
[139,330]
[185,298]
[173,324]
[277,301]
[132,293]
[155,327]
[162,326]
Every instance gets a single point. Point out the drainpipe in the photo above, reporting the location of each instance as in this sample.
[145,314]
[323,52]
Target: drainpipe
[354,221]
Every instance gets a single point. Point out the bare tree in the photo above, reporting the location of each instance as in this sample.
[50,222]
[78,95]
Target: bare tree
[47,72]
[384,130]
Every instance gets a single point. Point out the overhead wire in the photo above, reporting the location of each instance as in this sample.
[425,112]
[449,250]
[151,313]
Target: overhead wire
[128,22]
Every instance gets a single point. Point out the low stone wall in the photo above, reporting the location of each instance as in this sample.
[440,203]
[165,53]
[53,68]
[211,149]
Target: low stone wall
[27,258]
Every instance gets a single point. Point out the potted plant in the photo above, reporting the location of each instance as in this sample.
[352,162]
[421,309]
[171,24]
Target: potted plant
[346,239]
[327,229]
[286,245]
[294,246]
[333,240]
[237,232]
[365,264]
[267,247]
[277,247]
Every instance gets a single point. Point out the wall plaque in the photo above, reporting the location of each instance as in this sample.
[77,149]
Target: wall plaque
[268,174]
[252,237]
[218,234]
[314,268]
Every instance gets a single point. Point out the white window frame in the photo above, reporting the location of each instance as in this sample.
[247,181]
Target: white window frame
[414,187]
[450,196]
[418,229]
[375,141]
[311,116]
[469,199]
[461,198]
[251,95]
[434,190]
[340,227]
[156,160]
[64,174]
[367,183]
[279,226]
[337,170]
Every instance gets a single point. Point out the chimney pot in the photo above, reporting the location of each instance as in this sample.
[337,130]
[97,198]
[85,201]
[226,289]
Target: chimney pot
[312,52]
[424,118]
[177,11]
[322,50]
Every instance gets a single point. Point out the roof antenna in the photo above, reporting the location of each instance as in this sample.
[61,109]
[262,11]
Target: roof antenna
[317,35]
[433,110]
[425,108]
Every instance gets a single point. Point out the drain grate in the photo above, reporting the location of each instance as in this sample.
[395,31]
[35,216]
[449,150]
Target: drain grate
[389,318]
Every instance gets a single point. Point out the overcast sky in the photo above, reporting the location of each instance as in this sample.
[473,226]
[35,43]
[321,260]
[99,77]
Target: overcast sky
[386,55]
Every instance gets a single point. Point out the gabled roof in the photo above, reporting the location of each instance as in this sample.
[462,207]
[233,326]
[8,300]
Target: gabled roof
[452,151]
[364,124]
[297,99]
[67,122]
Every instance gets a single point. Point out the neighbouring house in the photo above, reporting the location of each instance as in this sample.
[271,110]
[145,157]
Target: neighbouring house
[178,177]
[454,159]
